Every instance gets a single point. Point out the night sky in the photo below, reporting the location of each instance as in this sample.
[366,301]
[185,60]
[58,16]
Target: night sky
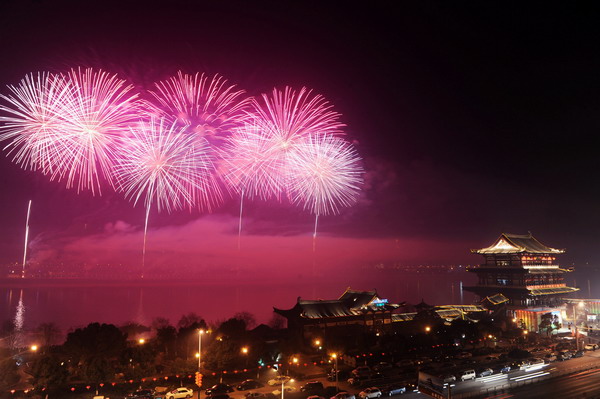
[472,120]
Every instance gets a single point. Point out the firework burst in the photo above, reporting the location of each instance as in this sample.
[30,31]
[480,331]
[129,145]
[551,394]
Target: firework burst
[98,109]
[287,118]
[32,120]
[326,175]
[166,167]
[209,106]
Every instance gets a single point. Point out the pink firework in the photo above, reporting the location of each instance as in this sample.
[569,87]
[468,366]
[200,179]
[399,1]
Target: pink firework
[164,166]
[33,120]
[287,118]
[95,117]
[325,176]
[208,105]
[246,165]
[167,167]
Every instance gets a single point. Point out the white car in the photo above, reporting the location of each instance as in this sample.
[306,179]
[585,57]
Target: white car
[179,393]
[280,379]
[370,393]
[590,347]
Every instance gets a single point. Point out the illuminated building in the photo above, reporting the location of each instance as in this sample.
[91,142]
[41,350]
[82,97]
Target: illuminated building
[526,272]
[362,308]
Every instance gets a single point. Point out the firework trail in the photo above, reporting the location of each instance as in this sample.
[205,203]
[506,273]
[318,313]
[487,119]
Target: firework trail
[256,156]
[26,239]
[326,176]
[163,165]
[209,106]
[32,120]
[247,169]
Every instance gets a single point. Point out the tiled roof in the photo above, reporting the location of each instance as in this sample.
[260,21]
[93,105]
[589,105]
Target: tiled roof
[516,243]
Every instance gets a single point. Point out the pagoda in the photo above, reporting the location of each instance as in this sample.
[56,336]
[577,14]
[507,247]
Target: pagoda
[523,270]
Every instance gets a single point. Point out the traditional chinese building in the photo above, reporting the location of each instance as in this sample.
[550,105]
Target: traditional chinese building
[363,308]
[526,272]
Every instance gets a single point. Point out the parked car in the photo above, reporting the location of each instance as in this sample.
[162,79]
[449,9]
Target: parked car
[343,395]
[392,390]
[249,384]
[505,369]
[590,347]
[361,371]
[217,395]
[485,372]
[468,375]
[550,357]
[370,393]
[341,374]
[448,378]
[179,393]
[313,386]
[578,354]
[564,355]
[141,394]
[219,388]
[280,379]
[256,395]
[382,366]
[464,355]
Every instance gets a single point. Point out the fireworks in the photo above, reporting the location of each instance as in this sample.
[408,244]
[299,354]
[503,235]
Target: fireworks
[97,111]
[87,127]
[326,175]
[68,126]
[167,167]
[32,120]
[209,106]
[287,118]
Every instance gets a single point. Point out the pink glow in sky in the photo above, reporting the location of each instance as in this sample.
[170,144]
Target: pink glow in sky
[211,242]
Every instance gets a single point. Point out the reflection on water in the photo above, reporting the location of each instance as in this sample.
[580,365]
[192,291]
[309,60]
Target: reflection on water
[77,305]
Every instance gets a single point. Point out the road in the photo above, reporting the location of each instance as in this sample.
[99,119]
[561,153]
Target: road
[583,384]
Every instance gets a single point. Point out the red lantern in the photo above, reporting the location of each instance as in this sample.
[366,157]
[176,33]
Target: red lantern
[87,387]
[73,389]
[101,384]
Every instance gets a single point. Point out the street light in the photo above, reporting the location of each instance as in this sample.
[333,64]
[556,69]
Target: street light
[141,341]
[335,357]
[427,329]
[200,334]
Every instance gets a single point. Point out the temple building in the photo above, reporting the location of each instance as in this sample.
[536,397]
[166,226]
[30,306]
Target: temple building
[363,308]
[526,272]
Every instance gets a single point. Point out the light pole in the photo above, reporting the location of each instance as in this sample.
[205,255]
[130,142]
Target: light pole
[200,333]
[335,357]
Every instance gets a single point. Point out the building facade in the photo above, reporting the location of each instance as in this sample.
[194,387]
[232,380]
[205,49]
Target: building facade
[526,272]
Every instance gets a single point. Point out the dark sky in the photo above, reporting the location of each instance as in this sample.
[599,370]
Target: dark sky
[472,119]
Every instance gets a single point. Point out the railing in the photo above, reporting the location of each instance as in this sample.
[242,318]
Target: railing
[511,385]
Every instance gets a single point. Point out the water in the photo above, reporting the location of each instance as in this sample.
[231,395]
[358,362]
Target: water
[71,306]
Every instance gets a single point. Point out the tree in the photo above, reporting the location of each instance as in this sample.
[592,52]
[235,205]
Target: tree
[248,318]
[97,369]
[49,372]
[166,336]
[48,333]
[95,340]
[187,335]
[233,328]
[9,374]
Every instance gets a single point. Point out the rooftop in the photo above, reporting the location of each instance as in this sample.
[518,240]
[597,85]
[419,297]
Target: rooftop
[516,244]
